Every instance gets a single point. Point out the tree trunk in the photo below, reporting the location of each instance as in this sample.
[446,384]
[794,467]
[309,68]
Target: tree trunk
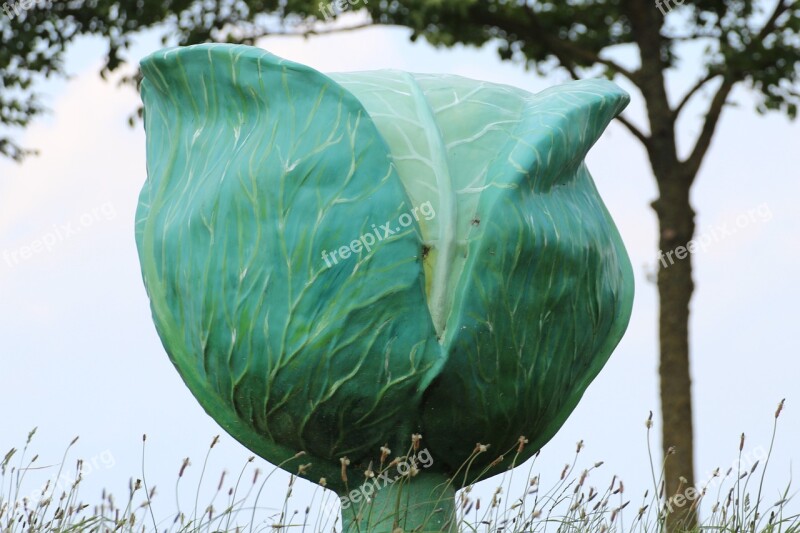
[675,287]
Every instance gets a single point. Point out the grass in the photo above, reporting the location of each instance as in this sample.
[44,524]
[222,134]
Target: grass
[730,501]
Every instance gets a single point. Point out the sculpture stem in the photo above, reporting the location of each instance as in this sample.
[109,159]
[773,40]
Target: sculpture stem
[425,504]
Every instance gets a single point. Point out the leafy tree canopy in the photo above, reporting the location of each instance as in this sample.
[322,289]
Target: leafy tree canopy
[753,42]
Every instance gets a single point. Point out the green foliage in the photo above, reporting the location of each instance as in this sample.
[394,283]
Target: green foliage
[36,35]
[749,41]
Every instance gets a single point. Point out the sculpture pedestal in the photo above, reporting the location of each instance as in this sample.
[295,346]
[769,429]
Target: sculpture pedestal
[426,504]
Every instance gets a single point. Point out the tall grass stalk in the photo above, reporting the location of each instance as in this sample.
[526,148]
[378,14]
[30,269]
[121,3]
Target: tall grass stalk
[571,504]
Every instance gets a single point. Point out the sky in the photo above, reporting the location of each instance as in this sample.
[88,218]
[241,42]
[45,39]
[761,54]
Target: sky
[80,355]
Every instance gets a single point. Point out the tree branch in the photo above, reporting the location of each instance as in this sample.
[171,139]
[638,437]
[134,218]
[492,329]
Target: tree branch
[583,53]
[688,96]
[566,52]
[308,32]
[646,25]
[692,163]
[644,139]
[692,37]
[780,9]
[569,69]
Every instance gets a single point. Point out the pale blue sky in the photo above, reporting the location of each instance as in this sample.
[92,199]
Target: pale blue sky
[80,355]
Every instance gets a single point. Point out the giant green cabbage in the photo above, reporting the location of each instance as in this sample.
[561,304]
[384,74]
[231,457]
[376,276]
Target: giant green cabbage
[337,262]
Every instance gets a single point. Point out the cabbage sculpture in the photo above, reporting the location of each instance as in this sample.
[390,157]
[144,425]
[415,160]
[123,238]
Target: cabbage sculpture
[338,262]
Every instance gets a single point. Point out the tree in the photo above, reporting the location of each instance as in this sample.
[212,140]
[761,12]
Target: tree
[746,42]
[752,43]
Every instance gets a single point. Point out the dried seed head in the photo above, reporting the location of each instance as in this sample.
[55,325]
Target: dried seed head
[522,442]
[780,408]
[184,465]
[302,470]
[649,423]
[415,438]
[741,442]
[344,461]
[323,482]
[385,452]
[480,448]
[214,441]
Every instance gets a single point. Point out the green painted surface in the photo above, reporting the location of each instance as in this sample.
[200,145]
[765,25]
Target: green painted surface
[335,263]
